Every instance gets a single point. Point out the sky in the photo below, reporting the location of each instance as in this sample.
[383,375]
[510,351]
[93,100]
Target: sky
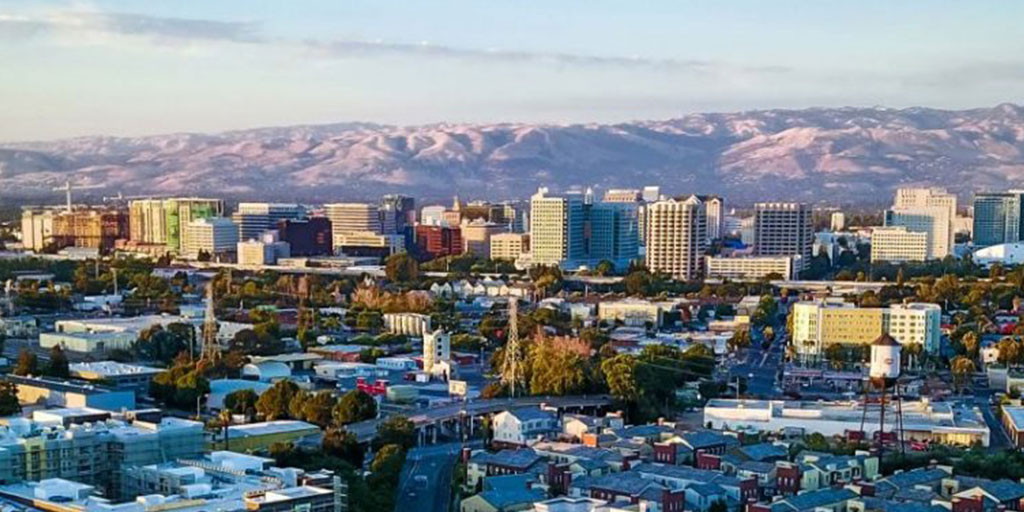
[140,67]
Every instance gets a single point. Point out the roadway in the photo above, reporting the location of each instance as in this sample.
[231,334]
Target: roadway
[366,430]
[425,484]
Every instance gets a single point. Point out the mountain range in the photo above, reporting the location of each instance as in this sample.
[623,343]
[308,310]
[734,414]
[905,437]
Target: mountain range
[844,155]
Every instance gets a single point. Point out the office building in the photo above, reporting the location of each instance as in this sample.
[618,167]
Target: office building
[52,392]
[784,229]
[367,243]
[215,236]
[509,246]
[895,244]
[557,229]
[614,234]
[437,241]
[997,218]
[397,213]
[953,423]
[677,237]
[623,195]
[352,218]
[180,212]
[36,229]
[819,324]
[409,324]
[94,228]
[432,215]
[264,251]
[307,237]
[651,193]
[476,235]
[255,218]
[752,268]
[117,375]
[515,216]
[926,210]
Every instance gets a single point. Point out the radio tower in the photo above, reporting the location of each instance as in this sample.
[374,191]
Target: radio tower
[510,370]
[211,349]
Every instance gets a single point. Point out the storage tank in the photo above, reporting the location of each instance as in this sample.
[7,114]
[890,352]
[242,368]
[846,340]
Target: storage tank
[885,359]
[402,393]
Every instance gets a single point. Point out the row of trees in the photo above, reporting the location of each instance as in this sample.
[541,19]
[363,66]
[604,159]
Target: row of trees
[285,400]
[57,366]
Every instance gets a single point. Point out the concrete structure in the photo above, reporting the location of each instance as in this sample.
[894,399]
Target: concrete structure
[1013,420]
[818,324]
[263,251]
[997,218]
[117,375]
[633,312]
[1004,254]
[509,246]
[409,324]
[714,207]
[926,210]
[676,237]
[93,343]
[351,218]
[437,354]
[940,422]
[96,228]
[258,437]
[367,243]
[784,229]
[897,244]
[211,235]
[752,268]
[36,229]
[614,234]
[255,218]
[70,393]
[837,222]
[432,215]
[557,228]
[523,427]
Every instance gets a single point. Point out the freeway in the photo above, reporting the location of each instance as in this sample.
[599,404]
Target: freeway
[365,430]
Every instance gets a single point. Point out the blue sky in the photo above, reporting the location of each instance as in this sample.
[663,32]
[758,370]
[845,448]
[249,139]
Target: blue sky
[141,67]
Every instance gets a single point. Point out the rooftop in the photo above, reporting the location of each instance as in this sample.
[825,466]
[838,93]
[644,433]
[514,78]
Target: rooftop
[270,427]
[112,368]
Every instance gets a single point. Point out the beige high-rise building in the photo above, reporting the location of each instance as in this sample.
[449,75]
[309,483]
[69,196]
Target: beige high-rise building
[347,218]
[147,221]
[163,221]
[677,237]
[477,236]
[926,210]
[36,229]
[784,229]
[509,246]
[715,208]
[896,244]
[838,222]
[623,195]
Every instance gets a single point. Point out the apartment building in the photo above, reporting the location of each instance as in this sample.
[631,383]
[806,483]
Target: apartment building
[897,244]
[677,237]
[784,229]
[818,324]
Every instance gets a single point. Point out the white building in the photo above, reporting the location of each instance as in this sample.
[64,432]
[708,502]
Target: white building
[837,222]
[633,312]
[433,215]
[751,268]
[350,217]
[212,235]
[556,228]
[897,244]
[437,354]
[676,237]
[1004,254]
[940,422]
[409,324]
[926,210]
[818,324]
[265,250]
[523,426]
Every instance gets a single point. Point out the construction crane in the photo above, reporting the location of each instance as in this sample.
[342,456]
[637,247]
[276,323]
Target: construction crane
[67,191]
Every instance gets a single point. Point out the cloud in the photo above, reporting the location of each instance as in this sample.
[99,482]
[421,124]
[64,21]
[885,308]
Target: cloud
[171,30]
[16,27]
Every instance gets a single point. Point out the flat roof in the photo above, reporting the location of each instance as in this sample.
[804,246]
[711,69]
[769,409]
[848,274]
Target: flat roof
[68,385]
[270,427]
[1015,414]
[112,368]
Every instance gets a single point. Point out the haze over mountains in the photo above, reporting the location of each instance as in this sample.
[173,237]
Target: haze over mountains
[849,155]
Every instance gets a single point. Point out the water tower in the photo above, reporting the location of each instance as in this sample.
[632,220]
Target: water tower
[883,386]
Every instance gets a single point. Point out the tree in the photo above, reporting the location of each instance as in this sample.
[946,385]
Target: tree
[619,375]
[397,430]
[971,344]
[318,409]
[558,367]
[242,401]
[401,268]
[836,355]
[274,403]
[1009,351]
[718,506]
[189,389]
[344,445]
[9,403]
[58,366]
[962,369]
[638,282]
[739,339]
[248,341]
[162,345]
[28,364]
[604,268]
[354,406]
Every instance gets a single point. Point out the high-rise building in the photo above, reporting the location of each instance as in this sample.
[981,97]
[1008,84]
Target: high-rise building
[614,233]
[784,229]
[557,228]
[349,218]
[652,193]
[255,218]
[210,235]
[95,228]
[997,218]
[515,216]
[896,244]
[438,241]
[307,237]
[437,353]
[36,229]
[677,237]
[397,212]
[837,222]
[927,210]
[477,234]
[161,221]
[432,215]
[509,246]
[623,195]
[265,250]
[714,206]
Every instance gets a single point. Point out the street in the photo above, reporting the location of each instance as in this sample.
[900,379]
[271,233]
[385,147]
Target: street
[425,484]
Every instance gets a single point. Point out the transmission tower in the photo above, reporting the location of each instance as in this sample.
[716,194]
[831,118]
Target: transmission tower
[211,348]
[510,370]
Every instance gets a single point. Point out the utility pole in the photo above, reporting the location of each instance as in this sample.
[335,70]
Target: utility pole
[211,348]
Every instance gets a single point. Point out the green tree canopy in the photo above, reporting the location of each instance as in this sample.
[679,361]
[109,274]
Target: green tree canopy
[353,407]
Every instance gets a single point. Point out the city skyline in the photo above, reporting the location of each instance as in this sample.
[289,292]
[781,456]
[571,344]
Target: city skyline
[124,68]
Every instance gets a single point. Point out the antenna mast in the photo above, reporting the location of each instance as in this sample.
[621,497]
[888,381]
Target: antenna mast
[510,372]
[211,349]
